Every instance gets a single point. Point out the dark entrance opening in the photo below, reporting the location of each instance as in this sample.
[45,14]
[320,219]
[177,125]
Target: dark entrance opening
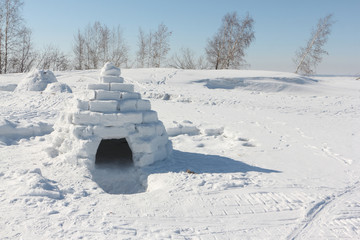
[114,151]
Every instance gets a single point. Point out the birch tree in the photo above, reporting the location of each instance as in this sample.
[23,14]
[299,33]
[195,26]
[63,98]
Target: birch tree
[141,54]
[227,48]
[53,59]
[186,59]
[161,45]
[24,56]
[307,58]
[98,44]
[118,49]
[11,24]
[153,47]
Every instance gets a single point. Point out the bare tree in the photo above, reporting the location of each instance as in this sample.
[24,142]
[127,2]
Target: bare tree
[150,50]
[98,44]
[153,47]
[118,49]
[141,54]
[1,35]
[11,24]
[79,51]
[184,60]
[308,57]
[24,57]
[202,63]
[53,59]
[227,48]
[161,44]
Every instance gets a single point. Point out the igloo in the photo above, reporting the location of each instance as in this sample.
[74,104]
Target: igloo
[110,122]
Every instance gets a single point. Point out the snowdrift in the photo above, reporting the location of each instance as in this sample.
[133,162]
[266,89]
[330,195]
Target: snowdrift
[40,80]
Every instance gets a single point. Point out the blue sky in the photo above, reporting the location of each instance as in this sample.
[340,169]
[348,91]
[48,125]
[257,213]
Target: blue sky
[281,27]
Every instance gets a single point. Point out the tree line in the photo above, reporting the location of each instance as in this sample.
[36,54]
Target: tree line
[97,43]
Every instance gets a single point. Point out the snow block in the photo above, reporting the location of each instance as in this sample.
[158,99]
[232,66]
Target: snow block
[88,147]
[130,95]
[82,132]
[143,147]
[146,130]
[86,95]
[85,118]
[66,117]
[103,106]
[146,145]
[107,95]
[149,158]
[113,132]
[149,116]
[121,87]
[160,129]
[108,120]
[120,119]
[98,86]
[82,105]
[145,160]
[127,105]
[111,79]
[161,140]
[129,117]
[161,153]
[143,105]
[110,69]
[174,131]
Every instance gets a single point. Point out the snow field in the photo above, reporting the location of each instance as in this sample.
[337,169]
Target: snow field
[269,162]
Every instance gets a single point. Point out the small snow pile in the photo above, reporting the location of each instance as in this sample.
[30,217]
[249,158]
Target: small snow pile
[110,110]
[185,127]
[12,131]
[38,186]
[58,87]
[36,80]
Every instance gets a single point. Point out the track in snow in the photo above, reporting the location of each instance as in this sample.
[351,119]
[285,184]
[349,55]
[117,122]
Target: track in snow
[319,216]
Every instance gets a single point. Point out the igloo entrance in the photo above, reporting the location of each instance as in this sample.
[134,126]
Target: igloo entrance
[114,151]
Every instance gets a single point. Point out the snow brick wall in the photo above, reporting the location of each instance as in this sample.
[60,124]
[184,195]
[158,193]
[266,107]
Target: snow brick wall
[110,110]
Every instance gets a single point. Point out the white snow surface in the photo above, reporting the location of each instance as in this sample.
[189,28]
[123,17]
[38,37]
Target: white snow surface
[257,155]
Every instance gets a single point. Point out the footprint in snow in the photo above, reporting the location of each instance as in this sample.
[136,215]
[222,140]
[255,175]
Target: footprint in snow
[247,144]
[243,139]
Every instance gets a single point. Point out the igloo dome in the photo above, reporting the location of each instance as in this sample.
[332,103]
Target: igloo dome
[110,122]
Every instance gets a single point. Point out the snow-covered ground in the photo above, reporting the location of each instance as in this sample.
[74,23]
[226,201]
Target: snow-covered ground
[275,156]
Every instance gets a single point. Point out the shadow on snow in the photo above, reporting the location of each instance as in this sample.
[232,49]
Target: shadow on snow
[202,163]
[267,84]
[127,179]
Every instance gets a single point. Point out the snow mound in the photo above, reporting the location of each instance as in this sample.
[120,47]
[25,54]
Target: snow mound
[39,186]
[58,87]
[8,87]
[36,80]
[185,127]
[11,131]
